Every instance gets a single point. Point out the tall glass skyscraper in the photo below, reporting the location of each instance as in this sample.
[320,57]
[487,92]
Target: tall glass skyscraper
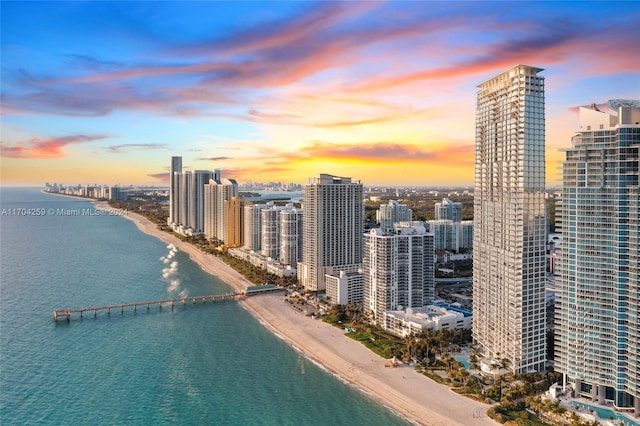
[509,220]
[597,345]
[175,173]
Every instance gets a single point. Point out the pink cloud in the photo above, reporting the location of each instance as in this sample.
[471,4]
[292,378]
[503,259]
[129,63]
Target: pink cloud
[46,148]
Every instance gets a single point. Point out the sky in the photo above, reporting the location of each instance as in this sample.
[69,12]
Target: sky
[383,92]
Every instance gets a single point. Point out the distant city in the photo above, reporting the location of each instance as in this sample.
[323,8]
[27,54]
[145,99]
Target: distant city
[575,289]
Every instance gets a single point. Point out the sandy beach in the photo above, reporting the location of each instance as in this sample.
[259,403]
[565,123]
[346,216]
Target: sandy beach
[401,389]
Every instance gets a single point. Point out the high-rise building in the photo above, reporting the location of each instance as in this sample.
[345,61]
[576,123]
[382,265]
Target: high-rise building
[175,174]
[270,230]
[235,221]
[216,192]
[465,235]
[391,213]
[509,220]
[186,197]
[597,322]
[445,234]
[333,226]
[195,194]
[253,225]
[291,236]
[398,268]
[448,210]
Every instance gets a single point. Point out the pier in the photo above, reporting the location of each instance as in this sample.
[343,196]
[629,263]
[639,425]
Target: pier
[169,303]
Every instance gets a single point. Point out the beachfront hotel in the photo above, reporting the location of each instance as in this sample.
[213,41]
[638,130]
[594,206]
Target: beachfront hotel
[597,326]
[333,226]
[509,220]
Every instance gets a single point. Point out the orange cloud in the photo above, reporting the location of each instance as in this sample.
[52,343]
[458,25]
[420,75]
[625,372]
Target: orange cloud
[45,148]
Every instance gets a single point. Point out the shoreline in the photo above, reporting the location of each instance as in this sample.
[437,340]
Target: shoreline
[408,394]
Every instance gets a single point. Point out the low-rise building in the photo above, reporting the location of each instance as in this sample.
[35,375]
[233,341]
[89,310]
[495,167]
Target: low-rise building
[345,287]
[434,317]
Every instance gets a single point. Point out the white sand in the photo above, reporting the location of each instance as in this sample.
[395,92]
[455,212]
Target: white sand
[401,389]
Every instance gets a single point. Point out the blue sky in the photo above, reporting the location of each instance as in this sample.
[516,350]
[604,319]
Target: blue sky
[107,92]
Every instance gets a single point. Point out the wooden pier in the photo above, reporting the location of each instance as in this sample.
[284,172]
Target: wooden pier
[193,300]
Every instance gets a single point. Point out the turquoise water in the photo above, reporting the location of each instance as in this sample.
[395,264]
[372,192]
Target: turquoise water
[208,364]
[605,414]
[464,360]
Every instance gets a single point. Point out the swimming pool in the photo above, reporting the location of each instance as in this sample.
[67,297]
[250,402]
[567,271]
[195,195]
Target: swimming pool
[464,360]
[606,414]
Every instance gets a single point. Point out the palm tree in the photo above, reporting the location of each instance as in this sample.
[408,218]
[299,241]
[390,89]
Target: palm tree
[504,363]
[493,367]
[410,341]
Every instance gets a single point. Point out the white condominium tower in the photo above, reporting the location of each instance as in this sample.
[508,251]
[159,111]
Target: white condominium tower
[253,225]
[509,220]
[388,214]
[597,330]
[398,268]
[271,224]
[195,182]
[291,236]
[448,210]
[333,226]
[186,198]
[445,234]
[216,192]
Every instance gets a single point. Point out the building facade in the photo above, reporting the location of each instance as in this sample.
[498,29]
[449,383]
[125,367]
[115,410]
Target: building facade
[448,210]
[175,173]
[399,270]
[253,225]
[186,198]
[465,235]
[271,230]
[291,221]
[509,220]
[234,213]
[388,214]
[597,322]
[333,225]
[445,234]
[345,287]
[216,193]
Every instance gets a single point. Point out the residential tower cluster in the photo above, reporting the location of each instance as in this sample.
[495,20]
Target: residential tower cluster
[389,270]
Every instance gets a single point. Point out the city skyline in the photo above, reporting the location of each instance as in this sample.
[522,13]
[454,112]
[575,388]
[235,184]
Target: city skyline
[384,92]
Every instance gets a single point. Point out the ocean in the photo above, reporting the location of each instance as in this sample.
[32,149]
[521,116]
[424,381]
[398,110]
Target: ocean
[210,364]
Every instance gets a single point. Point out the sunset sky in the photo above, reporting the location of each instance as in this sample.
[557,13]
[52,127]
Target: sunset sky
[384,92]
